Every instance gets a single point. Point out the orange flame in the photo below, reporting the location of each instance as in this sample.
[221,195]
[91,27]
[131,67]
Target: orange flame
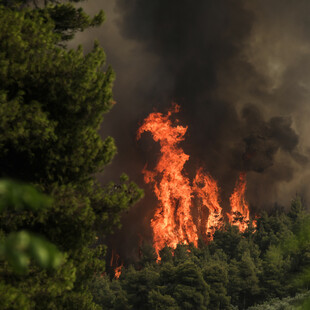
[118,271]
[207,190]
[173,221]
[114,261]
[240,213]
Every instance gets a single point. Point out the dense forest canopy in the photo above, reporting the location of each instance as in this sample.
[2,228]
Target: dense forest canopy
[235,271]
[54,214]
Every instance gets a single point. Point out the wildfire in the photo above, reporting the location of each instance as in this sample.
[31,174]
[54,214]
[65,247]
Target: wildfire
[240,213]
[118,271]
[174,220]
[114,262]
[207,190]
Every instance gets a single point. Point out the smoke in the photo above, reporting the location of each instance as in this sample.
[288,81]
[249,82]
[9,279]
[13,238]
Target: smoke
[265,139]
[240,71]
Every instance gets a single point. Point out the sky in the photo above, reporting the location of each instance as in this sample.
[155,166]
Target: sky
[240,71]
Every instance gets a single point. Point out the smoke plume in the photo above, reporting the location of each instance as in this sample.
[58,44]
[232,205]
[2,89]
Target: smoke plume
[240,71]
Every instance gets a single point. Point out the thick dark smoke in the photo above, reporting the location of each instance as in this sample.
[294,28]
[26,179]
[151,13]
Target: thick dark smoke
[265,139]
[240,71]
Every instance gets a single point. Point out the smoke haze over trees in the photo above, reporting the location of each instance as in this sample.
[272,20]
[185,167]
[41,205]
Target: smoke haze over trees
[239,70]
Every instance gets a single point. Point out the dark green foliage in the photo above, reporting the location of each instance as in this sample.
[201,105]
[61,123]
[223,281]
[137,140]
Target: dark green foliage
[249,285]
[18,248]
[156,300]
[235,271]
[275,269]
[297,209]
[189,288]
[116,198]
[18,196]
[109,295]
[228,241]
[138,284]
[216,274]
[166,255]
[67,19]
[148,255]
[52,102]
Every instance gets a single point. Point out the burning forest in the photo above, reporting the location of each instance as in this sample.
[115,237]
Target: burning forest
[178,219]
[192,207]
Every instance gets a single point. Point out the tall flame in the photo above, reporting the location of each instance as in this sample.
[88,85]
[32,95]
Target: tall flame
[174,220]
[240,213]
[207,190]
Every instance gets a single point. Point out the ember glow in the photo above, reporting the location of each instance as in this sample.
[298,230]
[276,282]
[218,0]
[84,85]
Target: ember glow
[118,271]
[115,262]
[175,220]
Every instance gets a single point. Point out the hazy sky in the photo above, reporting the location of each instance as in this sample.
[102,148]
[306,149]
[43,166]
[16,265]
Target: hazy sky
[240,71]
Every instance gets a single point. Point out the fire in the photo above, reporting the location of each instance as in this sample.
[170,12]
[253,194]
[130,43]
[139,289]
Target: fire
[174,220]
[114,262]
[207,190]
[240,213]
[118,271]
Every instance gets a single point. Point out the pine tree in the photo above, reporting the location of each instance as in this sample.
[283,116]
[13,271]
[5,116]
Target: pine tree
[249,284]
[216,275]
[188,287]
[52,102]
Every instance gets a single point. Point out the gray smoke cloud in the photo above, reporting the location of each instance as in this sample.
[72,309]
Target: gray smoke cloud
[240,71]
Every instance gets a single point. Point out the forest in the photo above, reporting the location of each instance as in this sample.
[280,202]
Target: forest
[234,271]
[55,214]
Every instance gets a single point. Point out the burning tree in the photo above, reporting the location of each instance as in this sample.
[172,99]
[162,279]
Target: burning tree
[173,221]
